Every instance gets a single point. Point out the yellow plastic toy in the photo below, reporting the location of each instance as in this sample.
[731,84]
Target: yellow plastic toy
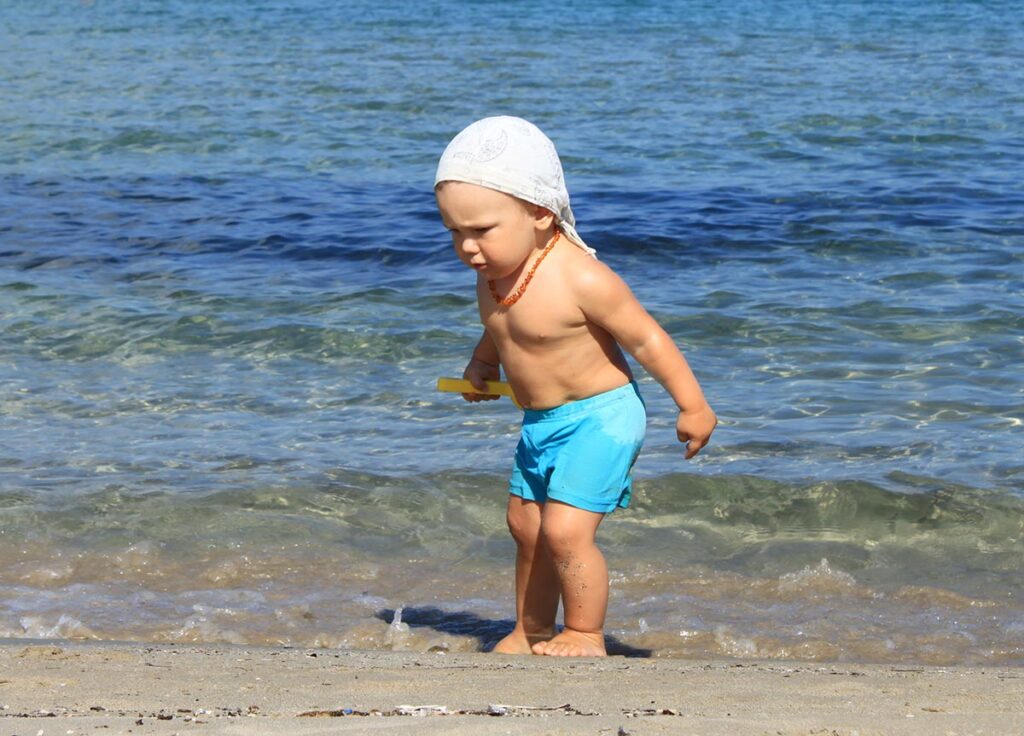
[462,386]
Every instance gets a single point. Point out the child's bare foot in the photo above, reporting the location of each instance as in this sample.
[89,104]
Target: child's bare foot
[572,643]
[518,642]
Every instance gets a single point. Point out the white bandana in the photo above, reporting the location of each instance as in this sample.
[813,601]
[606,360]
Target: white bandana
[513,156]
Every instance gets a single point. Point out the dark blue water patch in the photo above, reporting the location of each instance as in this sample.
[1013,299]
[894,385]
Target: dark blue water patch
[183,226]
[858,222]
[290,221]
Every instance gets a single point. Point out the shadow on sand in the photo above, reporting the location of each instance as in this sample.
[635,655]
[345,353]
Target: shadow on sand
[487,631]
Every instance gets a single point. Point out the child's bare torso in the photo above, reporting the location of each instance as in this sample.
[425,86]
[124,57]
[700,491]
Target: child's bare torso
[551,352]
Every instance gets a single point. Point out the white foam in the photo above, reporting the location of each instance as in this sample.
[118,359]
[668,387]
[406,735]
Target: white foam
[37,627]
[734,646]
[397,636]
[822,577]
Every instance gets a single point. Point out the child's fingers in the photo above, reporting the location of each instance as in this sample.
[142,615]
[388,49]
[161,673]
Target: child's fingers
[480,397]
[693,444]
[693,447]
[479,383]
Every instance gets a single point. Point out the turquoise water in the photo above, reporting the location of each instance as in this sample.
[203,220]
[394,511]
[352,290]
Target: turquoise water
[225,296]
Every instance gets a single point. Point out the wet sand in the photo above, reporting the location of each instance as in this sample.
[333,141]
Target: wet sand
[79,688]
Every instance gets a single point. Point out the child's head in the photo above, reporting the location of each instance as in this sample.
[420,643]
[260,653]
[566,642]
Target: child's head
[513,156]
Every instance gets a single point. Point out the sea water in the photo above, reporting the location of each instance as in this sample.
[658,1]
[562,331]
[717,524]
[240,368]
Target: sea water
[225,296]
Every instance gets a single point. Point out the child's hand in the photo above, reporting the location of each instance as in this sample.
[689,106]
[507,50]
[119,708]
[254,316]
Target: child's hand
[694,428]
[477,372]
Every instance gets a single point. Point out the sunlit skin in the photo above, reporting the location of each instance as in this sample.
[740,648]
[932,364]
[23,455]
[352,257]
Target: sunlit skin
[561,342]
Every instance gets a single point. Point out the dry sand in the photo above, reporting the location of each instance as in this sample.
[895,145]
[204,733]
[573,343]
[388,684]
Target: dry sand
[71,688]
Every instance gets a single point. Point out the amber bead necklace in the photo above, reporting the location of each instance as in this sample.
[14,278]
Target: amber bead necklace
[512,298]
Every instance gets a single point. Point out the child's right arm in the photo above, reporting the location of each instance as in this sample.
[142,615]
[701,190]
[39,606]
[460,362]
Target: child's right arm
[483,366]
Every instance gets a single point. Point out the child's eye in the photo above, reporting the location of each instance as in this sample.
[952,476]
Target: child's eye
[474,230]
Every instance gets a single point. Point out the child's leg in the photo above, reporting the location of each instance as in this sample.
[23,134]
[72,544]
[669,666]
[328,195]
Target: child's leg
[537,585]
[568,532]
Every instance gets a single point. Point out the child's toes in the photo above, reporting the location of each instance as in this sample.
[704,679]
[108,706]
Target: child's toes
[574,644]
[562,649]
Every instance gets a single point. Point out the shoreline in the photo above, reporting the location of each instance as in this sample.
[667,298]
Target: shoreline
[64,687]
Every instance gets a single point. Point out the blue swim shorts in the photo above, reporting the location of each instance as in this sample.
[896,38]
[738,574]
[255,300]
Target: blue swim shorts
[582,453]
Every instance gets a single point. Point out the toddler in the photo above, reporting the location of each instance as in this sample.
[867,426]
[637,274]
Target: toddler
[556,320]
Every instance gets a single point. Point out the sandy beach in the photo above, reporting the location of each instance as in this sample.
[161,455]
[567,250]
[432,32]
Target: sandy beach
[78,688]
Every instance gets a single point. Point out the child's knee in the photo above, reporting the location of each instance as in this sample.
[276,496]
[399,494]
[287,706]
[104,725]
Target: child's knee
[524,523]
[561,536]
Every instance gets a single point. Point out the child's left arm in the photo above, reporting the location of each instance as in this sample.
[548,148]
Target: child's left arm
[607,301]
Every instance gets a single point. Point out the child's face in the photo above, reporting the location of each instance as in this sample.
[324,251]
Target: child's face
[493,232]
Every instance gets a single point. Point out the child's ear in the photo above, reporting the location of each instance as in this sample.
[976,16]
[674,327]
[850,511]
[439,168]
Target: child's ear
[543,217]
